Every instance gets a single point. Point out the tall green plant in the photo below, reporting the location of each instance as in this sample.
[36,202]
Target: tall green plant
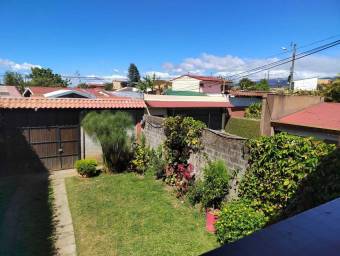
[111,131]
[253,111]
[280,174]
[214,187]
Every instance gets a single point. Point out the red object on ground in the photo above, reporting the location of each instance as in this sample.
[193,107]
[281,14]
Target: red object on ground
[210,220]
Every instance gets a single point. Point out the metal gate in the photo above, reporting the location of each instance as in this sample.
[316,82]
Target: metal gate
[57,147]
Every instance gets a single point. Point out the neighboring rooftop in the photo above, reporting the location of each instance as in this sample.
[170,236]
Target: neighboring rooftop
[248,93]
[172,101]
[7,91]
[322,116]
[65,103]
[183,93]
[37,91]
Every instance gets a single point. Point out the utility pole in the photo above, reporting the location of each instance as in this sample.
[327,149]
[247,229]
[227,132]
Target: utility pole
[291,80]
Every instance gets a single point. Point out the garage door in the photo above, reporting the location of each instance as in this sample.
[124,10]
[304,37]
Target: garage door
[57,147]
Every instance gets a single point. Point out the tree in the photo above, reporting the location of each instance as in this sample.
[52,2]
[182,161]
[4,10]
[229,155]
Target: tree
[108,86]
[246,84]
[46,77]
[148,82]
[332,93]
[14,79]
[83,85]
[133,75]
[111,131]
[263,85]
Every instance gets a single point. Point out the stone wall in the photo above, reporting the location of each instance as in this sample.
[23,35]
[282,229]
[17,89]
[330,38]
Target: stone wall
[217,145]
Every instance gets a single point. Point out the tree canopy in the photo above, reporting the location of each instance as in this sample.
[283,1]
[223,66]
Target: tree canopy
[333,91]
[133,75]
[46,77]
[148,82]
[14,79]
[247,84]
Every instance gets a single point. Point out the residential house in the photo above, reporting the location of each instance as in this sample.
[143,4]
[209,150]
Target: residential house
[203,84]
[7,91]
[311,84]
[212,110]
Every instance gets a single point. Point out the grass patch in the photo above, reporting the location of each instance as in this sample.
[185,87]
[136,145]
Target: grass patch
[26,222]
[246,128]
[126,214]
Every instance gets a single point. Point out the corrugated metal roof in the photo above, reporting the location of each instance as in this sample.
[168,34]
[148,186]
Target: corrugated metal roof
[323,115]
[75,103]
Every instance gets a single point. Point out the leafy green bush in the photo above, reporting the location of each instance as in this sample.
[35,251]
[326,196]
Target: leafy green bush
[183,137]
[279,168]
[86,167]
[253,111]
[111,131]
[157,163]
[141,157]
[214,187]
[236,220]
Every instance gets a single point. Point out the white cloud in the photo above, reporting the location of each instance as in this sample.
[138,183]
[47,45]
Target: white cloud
[8,64]
[311,66]
[160,75]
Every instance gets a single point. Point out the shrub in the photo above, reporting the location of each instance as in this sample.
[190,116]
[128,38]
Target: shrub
[236,220]
[111,131]
[253,111]
[195,193]
[86,167]
[157,163]
[183,137]
[280,171]
[214,187]
[141,157]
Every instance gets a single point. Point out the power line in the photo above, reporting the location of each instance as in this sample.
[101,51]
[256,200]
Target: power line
[280,63]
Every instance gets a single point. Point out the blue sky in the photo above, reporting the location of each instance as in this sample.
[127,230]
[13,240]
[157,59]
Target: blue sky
[170,37]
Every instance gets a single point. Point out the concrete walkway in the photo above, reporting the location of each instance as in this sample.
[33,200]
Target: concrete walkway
[65,240]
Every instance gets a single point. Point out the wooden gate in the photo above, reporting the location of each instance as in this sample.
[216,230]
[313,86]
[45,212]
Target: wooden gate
[57,147]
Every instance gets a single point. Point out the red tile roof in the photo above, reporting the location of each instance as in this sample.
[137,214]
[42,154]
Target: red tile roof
[39,91]
[75,103]
[187,104]
[323,116]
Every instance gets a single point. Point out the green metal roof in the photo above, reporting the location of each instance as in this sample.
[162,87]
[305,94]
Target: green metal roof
[183,93]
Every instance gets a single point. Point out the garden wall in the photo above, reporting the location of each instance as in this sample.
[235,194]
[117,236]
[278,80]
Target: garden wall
[217,145]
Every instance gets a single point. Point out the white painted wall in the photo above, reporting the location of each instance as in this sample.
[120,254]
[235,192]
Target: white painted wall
[309,84]
[186,83]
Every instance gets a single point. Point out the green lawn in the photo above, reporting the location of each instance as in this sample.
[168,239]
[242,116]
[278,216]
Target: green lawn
[125,214]
[26,221]
[243,127]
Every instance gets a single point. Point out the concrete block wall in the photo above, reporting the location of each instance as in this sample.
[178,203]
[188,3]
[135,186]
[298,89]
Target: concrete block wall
[217,145]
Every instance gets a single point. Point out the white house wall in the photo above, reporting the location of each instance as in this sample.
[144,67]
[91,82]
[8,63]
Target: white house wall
[309,84]
[186,83]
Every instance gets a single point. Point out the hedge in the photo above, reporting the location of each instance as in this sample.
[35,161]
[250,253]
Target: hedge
[246,128]
[288,174]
